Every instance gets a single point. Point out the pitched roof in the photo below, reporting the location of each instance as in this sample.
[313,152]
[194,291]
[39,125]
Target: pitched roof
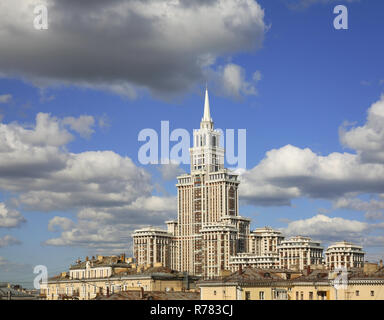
[152,295]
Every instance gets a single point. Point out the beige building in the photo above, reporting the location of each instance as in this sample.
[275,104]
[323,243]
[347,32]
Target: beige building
[280,284]
[344,254]
[151,246]
[246,259]
[262,250]
[264,241]
[299,252]
[208,229]
[209,236]
[104,276]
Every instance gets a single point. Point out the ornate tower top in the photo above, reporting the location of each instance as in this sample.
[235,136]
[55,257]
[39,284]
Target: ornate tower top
[206,121]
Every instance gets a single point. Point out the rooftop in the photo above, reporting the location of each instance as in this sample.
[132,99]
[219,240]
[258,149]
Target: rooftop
[152,295]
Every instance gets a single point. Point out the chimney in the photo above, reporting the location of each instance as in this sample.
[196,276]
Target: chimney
[86,258]
[308,269]
[122,257]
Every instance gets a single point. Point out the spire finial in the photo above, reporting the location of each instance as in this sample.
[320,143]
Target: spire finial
[207,113]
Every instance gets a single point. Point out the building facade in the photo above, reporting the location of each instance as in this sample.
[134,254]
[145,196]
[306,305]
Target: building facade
[152,246]
[105,275]
[208,229]
[344,254]
[209,236]
[280,284]
[299,252]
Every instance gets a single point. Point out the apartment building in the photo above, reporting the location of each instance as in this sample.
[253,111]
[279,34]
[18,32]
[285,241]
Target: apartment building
[280,284]
[344,254]
[299,252]
[103,276]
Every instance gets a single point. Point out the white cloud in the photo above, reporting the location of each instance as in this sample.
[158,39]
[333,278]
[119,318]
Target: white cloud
[230,80]
[8,240]
[374,208]
[82,125]
[10,218]
[291,172]
[368,140]
[112,196]
[330,229]
[62,222]
[125,46]
[170,171]
[5,98]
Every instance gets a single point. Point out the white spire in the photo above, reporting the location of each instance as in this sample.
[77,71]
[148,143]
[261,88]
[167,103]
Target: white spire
[207,113]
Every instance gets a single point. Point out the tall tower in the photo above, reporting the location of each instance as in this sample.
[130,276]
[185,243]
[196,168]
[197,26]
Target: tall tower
[208,229]
[207,199]
[206,153]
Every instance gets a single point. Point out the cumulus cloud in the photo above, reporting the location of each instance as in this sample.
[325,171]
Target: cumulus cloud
[111,195]
[231,80]
[111,228]
[82,125]
[62,222]
[95,235]
[291,172]
[170,171]
[124,46]
[330,229]
[5,98]
[10,218]
[367,140]
[8,240]
[374,208]
[29,152]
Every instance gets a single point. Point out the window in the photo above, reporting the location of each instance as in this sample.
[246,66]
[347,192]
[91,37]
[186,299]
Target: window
[214,292]
[247,295]
[297,295]
[261,295]
[302,295]
[372,293]
[311,296]
[357,293]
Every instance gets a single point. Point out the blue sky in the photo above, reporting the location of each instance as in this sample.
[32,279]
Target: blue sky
[313,79]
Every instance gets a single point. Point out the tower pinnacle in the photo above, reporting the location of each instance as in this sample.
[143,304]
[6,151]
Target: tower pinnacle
[207,112]
[206,122]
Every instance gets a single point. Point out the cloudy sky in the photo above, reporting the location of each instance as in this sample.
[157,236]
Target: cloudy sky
[74,98]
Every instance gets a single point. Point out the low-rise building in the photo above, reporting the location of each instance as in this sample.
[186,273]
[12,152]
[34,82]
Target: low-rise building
[264,241]
[15,292]
[244,260]
[151,246]
[117,276]
[299,252]
[248,284]
[344,254]
[275,284]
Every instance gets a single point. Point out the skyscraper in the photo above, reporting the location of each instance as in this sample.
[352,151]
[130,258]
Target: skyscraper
[208,229]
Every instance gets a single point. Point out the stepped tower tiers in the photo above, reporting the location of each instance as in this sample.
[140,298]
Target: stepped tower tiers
[207,206]
[208,229]
[209,236]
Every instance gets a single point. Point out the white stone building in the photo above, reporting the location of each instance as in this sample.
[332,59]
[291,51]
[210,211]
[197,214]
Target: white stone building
[344,254]
[299,252]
